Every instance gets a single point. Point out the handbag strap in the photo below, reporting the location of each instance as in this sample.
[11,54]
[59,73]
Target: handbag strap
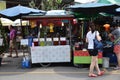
[116,40]
[96,34]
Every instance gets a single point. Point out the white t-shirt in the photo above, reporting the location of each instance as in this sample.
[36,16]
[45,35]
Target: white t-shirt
[90,36]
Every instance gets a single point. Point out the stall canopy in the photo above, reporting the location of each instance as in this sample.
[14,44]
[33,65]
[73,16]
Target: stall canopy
[51,15]
[91,10]
[17,22]
[56,12]
[115,12]
[17,11]
[84,1]
[6,22]
[118,9]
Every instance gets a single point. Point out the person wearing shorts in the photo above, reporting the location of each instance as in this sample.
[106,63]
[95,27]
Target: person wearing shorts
[90,36]
[116,34]
[12,41]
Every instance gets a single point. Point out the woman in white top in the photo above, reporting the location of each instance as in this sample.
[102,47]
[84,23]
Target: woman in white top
[93,52]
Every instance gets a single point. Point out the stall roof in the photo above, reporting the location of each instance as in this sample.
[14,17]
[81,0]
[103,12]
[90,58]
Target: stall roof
[56,12]
[50,17]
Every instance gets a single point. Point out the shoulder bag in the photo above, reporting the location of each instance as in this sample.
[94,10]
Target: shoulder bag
[97,44]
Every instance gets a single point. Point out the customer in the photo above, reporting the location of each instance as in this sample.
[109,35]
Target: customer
[116,34]
[93,52]
[12,41]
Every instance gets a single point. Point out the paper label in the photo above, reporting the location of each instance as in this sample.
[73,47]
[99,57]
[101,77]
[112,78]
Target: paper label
[42,39]
[24,42]
[49,39]
[55,39]
[62,39]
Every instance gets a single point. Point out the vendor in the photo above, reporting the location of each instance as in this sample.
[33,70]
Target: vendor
[107,27]
[104,34]
[116,34]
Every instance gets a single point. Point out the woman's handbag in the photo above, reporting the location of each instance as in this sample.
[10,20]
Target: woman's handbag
[97,44]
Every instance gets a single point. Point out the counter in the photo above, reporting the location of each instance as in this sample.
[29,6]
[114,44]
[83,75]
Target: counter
[83,57]
[50,54]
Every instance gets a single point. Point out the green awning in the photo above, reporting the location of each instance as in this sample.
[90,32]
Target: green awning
[109,1]
[89,17]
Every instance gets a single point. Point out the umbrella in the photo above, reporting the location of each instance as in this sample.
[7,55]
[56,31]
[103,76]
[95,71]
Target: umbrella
[115,12]
[92,8]
[118,9]
[17,11]
[109,1]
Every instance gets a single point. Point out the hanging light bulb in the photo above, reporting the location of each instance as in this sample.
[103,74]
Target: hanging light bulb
[62,24]
[40,26]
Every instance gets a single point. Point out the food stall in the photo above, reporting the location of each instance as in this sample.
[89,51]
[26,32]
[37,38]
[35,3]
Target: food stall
[53,41]
[80,52]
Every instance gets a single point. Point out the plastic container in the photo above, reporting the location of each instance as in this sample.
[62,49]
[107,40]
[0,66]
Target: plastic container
[49,42]
[35,40]
[42,42]
[106,62]
[26,63]
[63,41]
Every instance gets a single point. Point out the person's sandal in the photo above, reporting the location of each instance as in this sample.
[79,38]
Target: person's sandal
[101,73]
[92,75]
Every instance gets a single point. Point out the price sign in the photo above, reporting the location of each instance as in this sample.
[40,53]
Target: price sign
[1,42]
[24,42]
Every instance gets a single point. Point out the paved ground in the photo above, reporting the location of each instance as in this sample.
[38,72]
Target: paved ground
[11,70]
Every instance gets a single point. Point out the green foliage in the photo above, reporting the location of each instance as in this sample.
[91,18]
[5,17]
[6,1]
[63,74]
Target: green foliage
[50,4]
[3,35]
[59,1]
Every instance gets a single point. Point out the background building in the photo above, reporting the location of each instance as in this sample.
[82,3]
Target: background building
[2,5]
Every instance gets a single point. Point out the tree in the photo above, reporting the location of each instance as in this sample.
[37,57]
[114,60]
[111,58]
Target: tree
[3,35]
[50,4]
[36,4]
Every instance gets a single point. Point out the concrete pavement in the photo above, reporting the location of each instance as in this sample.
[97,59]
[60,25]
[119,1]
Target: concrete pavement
[11,69]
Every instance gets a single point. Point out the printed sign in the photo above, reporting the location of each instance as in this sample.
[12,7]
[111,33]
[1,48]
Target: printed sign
[1,42]
[24,42]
